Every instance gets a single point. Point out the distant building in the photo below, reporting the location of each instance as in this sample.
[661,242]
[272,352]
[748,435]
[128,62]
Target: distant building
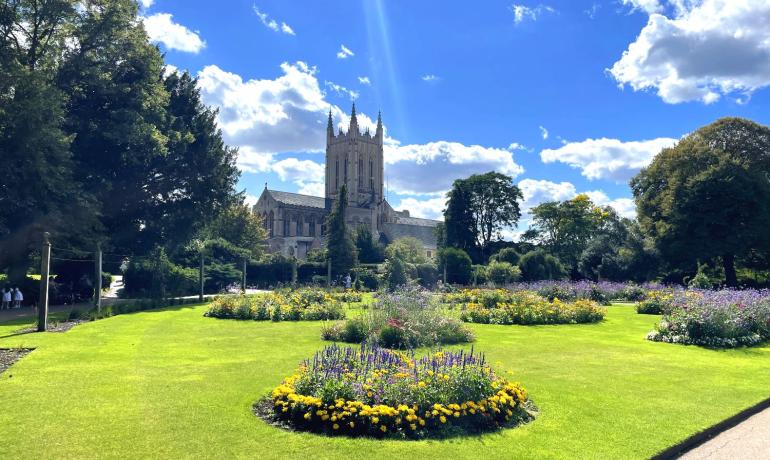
[295,222]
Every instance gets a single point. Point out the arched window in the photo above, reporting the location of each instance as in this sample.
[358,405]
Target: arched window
[311,226]
[285,225]
[270,223]
[337,174]
[299,226]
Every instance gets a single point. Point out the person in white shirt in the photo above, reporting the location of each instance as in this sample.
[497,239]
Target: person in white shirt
[6,299]
[17,298]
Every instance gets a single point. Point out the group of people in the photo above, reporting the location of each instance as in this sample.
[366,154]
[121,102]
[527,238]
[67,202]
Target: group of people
[12,298]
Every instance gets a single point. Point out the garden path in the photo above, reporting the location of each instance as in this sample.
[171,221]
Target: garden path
[747,440]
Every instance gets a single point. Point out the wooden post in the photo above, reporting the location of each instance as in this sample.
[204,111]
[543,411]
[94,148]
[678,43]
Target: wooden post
[243,277]
[200,279]
[329,273]
[98,279]
[45,262]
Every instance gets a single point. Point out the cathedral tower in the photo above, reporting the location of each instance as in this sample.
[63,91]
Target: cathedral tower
[355,159]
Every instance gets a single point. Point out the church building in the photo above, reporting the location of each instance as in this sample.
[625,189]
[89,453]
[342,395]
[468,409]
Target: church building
[296,223]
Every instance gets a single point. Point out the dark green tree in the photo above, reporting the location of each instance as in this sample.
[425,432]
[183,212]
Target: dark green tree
[509,255]
[340,246]
[708,197]
[539,265]
[458,265]
[369,251]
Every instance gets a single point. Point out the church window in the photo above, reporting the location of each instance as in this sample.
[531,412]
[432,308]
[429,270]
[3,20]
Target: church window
[346,170]
[286,226]
[337,175]
[270,222]
[371,175]
[311,226]
[299,226]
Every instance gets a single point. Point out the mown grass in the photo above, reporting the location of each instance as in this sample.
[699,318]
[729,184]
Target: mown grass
[172,383]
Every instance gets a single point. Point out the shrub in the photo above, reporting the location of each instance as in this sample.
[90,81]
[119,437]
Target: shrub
[507,255]
[376,392]
[157,277]
[458,265]
[427,275]
[501,273]
[395,273]
[479,274]
[656,303]
[538,265]
[406,318]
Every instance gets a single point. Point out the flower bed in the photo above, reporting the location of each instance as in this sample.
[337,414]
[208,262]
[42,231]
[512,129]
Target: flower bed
[656,303]
[528,308]
[371,391]
[721,319]
[297,305]
[407,318]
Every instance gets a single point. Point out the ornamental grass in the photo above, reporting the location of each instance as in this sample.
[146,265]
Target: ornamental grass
[721,319]
[527,308]
[286,305]
[377,392]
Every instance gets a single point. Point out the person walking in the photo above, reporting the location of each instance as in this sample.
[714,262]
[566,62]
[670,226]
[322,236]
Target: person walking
[347,281]
[6,298]
[18,297]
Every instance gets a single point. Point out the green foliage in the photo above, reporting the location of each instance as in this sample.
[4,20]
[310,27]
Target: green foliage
[427,275]
[157,277]
[701,280]
[299,305]
[457,263]
[395,276]
[686,199]
[479,274]
[409,249]
[509,255]
[539,265]
[502,273]
[528,308]
[340,246]
[369,251]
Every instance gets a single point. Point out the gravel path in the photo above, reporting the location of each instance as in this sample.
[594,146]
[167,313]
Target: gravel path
[747,440]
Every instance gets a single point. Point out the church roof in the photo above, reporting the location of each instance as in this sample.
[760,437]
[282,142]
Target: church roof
[424,233]
[417,221]
[296,199]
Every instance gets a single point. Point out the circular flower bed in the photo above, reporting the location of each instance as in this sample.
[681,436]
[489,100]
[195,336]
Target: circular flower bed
[371,391]
[289,305]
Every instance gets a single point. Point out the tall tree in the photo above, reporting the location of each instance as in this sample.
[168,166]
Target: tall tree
[708,197]
[342,250]
[369,251]
[478,209]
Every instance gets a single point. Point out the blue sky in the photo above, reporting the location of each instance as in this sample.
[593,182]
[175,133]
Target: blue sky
[469,87]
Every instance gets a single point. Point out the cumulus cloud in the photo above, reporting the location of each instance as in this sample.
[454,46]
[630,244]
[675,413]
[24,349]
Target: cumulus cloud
[250,200]
[272,24]
[523,12]
[406,165]
[342,91]
[431,208]
[703,51]
[147,3]
[607,158]
[344,52]
[364,81]
[303,173]
[161,28]
[249,160]
[625,207]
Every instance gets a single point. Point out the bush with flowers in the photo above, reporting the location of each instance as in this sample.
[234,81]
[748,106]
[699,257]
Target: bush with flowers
[406,318]
[286,305]
[656,302]
[376,392]
[724,318]
[529,308]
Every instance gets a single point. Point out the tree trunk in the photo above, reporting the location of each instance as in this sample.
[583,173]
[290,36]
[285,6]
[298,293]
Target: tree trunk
[728,262]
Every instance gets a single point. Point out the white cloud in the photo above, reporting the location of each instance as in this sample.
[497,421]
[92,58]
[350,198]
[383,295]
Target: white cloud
[252,161]
[648,6]
[169,69]
[250,200]
[706,50]
[543,133]
[407,166]
[364,81]
[430,78]
[431,208]
[272,24]
[341,90]
[161,28]
[285,114]
[625,207]
[591,12]
[344,52]
[312,188]
[523,12]
[147,3]
[304,173]
[516,146]
[607,158]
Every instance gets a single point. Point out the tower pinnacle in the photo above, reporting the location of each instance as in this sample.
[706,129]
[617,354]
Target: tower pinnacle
[353,121]
[330,125]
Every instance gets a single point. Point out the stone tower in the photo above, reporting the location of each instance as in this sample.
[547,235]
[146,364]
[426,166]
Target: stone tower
[355,159]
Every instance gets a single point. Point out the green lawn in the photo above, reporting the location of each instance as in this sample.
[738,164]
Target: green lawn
[171,383]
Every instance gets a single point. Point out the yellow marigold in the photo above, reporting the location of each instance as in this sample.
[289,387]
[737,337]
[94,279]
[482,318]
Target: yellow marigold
[375,420]
[383,428]
[412,426]
[308,415]
[336,427]
[443,419]
[422,422]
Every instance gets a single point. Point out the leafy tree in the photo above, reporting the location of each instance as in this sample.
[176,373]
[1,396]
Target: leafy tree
[539,265]
[509,255]
[457,263]
[317,255]
[342,250]
[566,227]
[708,197]
[238,231]
[478,209]
[395,273]
[409,249]
[369,251]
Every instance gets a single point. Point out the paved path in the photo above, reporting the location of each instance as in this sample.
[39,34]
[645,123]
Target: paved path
[747,440]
